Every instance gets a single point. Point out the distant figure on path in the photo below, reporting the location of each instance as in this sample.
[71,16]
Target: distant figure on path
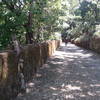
[66,41]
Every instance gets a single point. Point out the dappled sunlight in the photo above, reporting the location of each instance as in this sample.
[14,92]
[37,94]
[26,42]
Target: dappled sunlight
[38,75]
[53,88]
[46,65]
[71,73]
[72,52]
[31,84]
[69,96]
[59,54]
[95,85]
[91,94]
[70,87]
[29,87]
[54,62]
[59,70]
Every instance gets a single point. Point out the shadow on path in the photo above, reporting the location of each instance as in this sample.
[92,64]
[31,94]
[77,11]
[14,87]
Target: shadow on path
[72,73]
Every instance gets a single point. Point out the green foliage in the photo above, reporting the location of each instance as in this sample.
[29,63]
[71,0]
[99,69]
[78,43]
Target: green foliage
[86,24]
[39,19]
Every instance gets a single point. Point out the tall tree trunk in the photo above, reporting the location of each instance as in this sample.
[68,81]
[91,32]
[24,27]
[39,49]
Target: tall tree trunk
[29,34]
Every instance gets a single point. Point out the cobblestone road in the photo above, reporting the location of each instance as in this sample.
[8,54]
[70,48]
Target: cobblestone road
[72,73]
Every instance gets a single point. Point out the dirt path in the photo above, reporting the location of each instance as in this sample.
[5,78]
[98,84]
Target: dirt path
[72,73]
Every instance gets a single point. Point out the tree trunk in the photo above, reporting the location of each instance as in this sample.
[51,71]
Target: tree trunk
[29,37]
[29,34]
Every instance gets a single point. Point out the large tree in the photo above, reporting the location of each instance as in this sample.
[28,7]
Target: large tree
[30,20]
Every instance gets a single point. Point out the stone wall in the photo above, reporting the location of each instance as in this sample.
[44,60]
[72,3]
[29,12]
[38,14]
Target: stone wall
[93,43]
[81,43]
[34,56]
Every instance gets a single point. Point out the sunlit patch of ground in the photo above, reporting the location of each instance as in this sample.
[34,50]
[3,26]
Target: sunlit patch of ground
[72,73]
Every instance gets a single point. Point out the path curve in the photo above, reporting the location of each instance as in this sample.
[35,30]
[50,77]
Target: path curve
[72,73]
